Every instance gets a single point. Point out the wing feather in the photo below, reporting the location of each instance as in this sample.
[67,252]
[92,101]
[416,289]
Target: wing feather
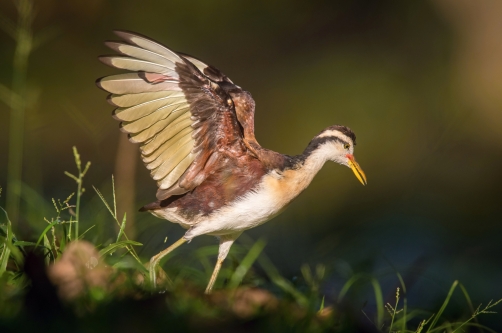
[132,83]
[135,99]
[170,150]
[177,172]
[165,132]
[147,44]
[176,153]
[160,131]
[165,105]
[172,104]
[141,54]
[135,65]
[166,144]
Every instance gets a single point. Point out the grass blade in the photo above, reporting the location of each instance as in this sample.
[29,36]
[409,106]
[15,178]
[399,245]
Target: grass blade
[49,255]
[379,302]
[246,264]
[114,199]
[281,282]
[47,228]
[4,256]
[23,243]
[82,235]
[321,307]
[347,286]
[469,302]
[114,215]
[122,227]
[443,307]
[115,246]
[8,248]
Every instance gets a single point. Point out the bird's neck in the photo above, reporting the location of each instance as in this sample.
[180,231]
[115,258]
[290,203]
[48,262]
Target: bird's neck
[308,164]
[294,177]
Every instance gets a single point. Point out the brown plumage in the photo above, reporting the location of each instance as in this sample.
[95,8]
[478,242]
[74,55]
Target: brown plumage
[195,128]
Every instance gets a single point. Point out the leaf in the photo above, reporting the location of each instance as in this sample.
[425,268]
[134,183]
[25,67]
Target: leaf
[23,243]
[8,248]
[347,286]
[130,264]
[122,227]
[82,235]
[443,307]
[322,304]
[115,201]
[246,263]
[4,257]
[115,246]
[379,302]
[281,282]
[3,230]
[49,254]
[45,231]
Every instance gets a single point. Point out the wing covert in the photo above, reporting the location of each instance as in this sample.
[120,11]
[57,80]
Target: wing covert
[181,117]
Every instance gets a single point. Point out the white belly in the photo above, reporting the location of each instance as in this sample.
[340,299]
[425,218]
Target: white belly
[273,194]
[245,213]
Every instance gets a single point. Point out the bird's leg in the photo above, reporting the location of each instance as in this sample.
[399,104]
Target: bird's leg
[156,259]
[216,270]
[225,244]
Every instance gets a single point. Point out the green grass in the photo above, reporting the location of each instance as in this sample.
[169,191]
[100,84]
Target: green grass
[254,292]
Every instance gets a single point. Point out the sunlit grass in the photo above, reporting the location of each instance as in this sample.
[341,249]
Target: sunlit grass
[111,274]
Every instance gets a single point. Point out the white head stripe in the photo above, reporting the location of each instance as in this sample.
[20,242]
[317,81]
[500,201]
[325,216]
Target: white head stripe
[337,134]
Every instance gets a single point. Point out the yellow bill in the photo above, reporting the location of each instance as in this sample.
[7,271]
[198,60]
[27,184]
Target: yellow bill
[357,169]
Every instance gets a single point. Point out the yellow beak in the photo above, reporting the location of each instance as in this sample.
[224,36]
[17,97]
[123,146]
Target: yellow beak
[357,169]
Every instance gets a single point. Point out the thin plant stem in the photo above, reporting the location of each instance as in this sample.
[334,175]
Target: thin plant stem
[77,213]
[24,42]
[394,311]
[79,180]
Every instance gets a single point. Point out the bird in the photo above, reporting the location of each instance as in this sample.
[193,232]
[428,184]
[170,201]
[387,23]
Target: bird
[195,130]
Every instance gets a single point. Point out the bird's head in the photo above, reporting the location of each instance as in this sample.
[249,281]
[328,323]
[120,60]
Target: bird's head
[336,143]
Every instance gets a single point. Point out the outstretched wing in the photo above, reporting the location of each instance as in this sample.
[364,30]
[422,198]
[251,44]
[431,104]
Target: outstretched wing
[182,118]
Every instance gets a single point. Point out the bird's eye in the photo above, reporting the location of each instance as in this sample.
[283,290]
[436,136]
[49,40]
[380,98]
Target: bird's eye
[346,146]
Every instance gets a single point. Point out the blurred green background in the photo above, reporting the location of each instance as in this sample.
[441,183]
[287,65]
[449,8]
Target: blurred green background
[419,82]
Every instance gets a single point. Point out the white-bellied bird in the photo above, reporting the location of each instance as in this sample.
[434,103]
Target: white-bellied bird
[195,129]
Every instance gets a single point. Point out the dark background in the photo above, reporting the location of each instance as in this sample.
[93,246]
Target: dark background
[418,82]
